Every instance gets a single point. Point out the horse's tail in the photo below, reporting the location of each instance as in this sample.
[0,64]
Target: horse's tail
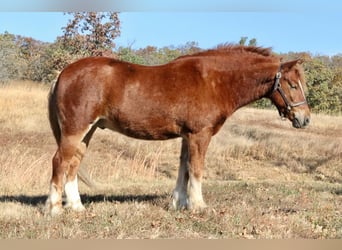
[53,113]
[86,179]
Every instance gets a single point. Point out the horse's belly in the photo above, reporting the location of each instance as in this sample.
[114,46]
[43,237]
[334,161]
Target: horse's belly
[143,129]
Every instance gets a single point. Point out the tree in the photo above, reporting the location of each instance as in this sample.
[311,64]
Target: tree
[91,33]
[53,58]
[323,94]
[129,55]
[252,42]
[151,55]
[244,39]
[12,64]
[31,51]
[189,48]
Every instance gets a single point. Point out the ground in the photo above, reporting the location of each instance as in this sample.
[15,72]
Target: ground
[263,179]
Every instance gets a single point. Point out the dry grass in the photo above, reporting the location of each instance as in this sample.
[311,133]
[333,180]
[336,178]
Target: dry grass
[263,179]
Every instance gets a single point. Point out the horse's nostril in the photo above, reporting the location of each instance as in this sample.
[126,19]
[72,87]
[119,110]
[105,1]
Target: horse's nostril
[306,121]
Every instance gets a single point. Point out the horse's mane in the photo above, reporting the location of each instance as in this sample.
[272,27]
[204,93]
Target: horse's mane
[231,48]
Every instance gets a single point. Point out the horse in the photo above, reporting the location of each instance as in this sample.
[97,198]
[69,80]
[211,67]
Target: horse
[190,97]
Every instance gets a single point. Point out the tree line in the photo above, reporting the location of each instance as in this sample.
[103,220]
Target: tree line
[94,34]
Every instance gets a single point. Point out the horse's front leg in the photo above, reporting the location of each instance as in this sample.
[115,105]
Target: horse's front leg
[198,145]
[195,145]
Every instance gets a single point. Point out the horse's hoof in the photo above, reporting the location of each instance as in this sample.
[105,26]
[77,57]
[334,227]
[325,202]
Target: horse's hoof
[77,206]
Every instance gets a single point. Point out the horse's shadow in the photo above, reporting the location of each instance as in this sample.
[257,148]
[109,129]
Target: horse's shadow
[39,200]
[34,200]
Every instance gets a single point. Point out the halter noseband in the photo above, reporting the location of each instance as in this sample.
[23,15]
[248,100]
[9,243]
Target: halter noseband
[289,105]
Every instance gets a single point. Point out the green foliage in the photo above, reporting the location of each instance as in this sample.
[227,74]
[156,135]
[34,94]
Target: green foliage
[32,52]
[263,103]
[12,63]
[128,55]
[244,39]
[323,94]
[154,56]
[51,61]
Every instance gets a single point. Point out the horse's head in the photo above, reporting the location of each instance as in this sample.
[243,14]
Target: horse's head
[288,94]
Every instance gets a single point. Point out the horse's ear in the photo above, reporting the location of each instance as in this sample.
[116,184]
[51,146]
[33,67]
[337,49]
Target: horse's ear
[288,65]
[300,61]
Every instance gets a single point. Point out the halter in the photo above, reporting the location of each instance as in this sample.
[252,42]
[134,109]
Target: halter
[289,105]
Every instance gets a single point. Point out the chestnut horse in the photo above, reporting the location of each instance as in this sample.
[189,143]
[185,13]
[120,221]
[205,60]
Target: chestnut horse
[190,97]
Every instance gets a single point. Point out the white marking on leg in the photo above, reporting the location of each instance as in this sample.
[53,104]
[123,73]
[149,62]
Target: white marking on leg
[54,196]
[180,196]
[53,201]
[195,194]
[73,198]
[180,199]
[180,193]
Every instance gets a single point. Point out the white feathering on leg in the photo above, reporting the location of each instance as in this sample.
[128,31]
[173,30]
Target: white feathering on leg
[73,196]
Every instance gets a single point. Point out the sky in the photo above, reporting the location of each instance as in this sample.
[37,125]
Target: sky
[313,29]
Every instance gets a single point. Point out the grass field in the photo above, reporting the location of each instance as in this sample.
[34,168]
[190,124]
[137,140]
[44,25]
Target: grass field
[263,179]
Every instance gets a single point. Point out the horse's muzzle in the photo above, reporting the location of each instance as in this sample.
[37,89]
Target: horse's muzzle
[300,121]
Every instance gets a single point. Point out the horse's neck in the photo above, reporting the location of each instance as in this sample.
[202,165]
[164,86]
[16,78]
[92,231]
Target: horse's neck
[249,81]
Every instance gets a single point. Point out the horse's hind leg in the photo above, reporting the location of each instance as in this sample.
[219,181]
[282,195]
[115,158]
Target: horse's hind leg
[66,163]
[180,196]
[73,199]
[61,163]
